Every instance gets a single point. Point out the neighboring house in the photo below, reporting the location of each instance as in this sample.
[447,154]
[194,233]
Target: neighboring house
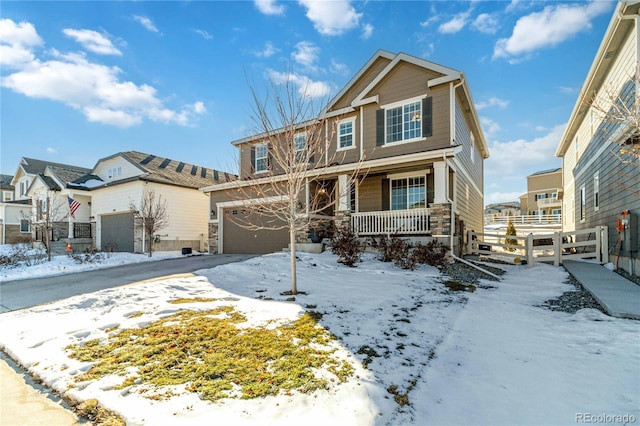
[13,227]
[544,194]
[121,179]
[410,127]
[509,208]
[598,186]
[33,181]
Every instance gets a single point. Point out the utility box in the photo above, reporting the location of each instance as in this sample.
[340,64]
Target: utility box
[630,242]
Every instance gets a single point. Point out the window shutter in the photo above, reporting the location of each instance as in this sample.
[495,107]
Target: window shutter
[386,205]
[427,117]
[253,159]
[380,127]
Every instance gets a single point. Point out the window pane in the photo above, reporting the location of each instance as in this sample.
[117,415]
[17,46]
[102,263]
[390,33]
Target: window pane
[412,121]
[346,134]
[417,193]
[394,124]
[300,141]
[399,194]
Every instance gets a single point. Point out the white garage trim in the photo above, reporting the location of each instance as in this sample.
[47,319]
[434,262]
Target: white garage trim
[240,203]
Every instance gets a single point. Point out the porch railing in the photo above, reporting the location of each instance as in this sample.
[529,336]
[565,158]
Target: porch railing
[413,221]
[81,230]
[548,219]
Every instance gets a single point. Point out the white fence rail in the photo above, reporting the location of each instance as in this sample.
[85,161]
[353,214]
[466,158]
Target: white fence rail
[530,219]
[590,243]
[413,221]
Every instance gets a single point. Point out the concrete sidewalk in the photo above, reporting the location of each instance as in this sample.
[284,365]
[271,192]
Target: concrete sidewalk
[21,404]
[618,296]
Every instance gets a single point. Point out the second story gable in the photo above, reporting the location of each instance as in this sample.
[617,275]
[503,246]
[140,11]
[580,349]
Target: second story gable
[396,105]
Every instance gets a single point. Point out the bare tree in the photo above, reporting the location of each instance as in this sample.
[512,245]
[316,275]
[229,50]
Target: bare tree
[619,109]
[292,190]
[48,209]
[151,215]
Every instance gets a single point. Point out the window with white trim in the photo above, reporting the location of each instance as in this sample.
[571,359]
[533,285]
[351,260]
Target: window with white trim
[473,147]
[408,193]
[115,172]
[403,122]
[300,141]
[556,211]
[345,133]
[8,196]
[261,158]
[596,191]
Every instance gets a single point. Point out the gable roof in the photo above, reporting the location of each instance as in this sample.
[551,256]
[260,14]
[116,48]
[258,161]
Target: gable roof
[48,181]
[32,166]
[166,171]
[544,172]
[617,31]
[5,182]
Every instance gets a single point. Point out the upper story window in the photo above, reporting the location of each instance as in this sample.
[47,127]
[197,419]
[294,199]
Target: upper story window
[404,122]
[472,147]
[115,172]
[540,196]
[596,191]
[345,134]
[261,160]
[24,185]
[8,196]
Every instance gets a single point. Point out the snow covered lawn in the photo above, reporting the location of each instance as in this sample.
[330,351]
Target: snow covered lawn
[63,264]
[422,354]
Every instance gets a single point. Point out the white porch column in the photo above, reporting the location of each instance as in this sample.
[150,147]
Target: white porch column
[440,182]
[343,193]
[71,220]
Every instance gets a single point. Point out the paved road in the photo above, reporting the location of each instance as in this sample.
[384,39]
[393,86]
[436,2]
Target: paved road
[27,293]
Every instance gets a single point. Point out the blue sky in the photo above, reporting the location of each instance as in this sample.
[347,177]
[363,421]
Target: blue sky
[83,80]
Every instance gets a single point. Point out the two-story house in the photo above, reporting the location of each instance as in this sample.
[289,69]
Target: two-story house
[14,228]
[408,128]
[544,194]
[600,180]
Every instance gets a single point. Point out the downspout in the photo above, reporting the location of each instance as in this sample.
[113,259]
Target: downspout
[4,223]
[452,107]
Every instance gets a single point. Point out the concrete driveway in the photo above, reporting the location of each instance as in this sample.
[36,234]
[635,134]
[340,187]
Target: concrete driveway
[32,292]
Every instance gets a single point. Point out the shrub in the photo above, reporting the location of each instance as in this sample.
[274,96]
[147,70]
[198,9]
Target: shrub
[434,253]
[511,230]
[345,244]
[388,248]
[91,255]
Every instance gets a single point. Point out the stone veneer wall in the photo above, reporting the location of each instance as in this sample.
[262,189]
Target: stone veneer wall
[14,236]
[213,238]
[440,219]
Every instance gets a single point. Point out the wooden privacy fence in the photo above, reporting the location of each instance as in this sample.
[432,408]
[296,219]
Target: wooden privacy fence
[590,243]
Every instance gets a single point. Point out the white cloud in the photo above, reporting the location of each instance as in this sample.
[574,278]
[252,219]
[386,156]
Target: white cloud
[338,68]
[94,89]
[486,23]
[204,34]
[52,150]
[92,41]
[513,157]
[429,21]
[367,31]
[268,51]
[306,86]
[331,18]
[553,25]
[492,102]
[489,127]
[567,90]
[269,7]
[455,24]
[16,43]
[306,54]
[146,22]
[199,108]
[503,197]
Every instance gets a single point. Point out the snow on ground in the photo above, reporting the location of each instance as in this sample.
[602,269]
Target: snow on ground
[64,264]
[489,357]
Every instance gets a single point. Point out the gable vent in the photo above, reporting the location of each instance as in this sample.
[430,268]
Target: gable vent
[194,170]
[148,159]
[180,167]
[165,163]
[203,172]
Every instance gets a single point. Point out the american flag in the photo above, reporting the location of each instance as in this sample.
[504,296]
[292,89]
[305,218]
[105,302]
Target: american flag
[73,206]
